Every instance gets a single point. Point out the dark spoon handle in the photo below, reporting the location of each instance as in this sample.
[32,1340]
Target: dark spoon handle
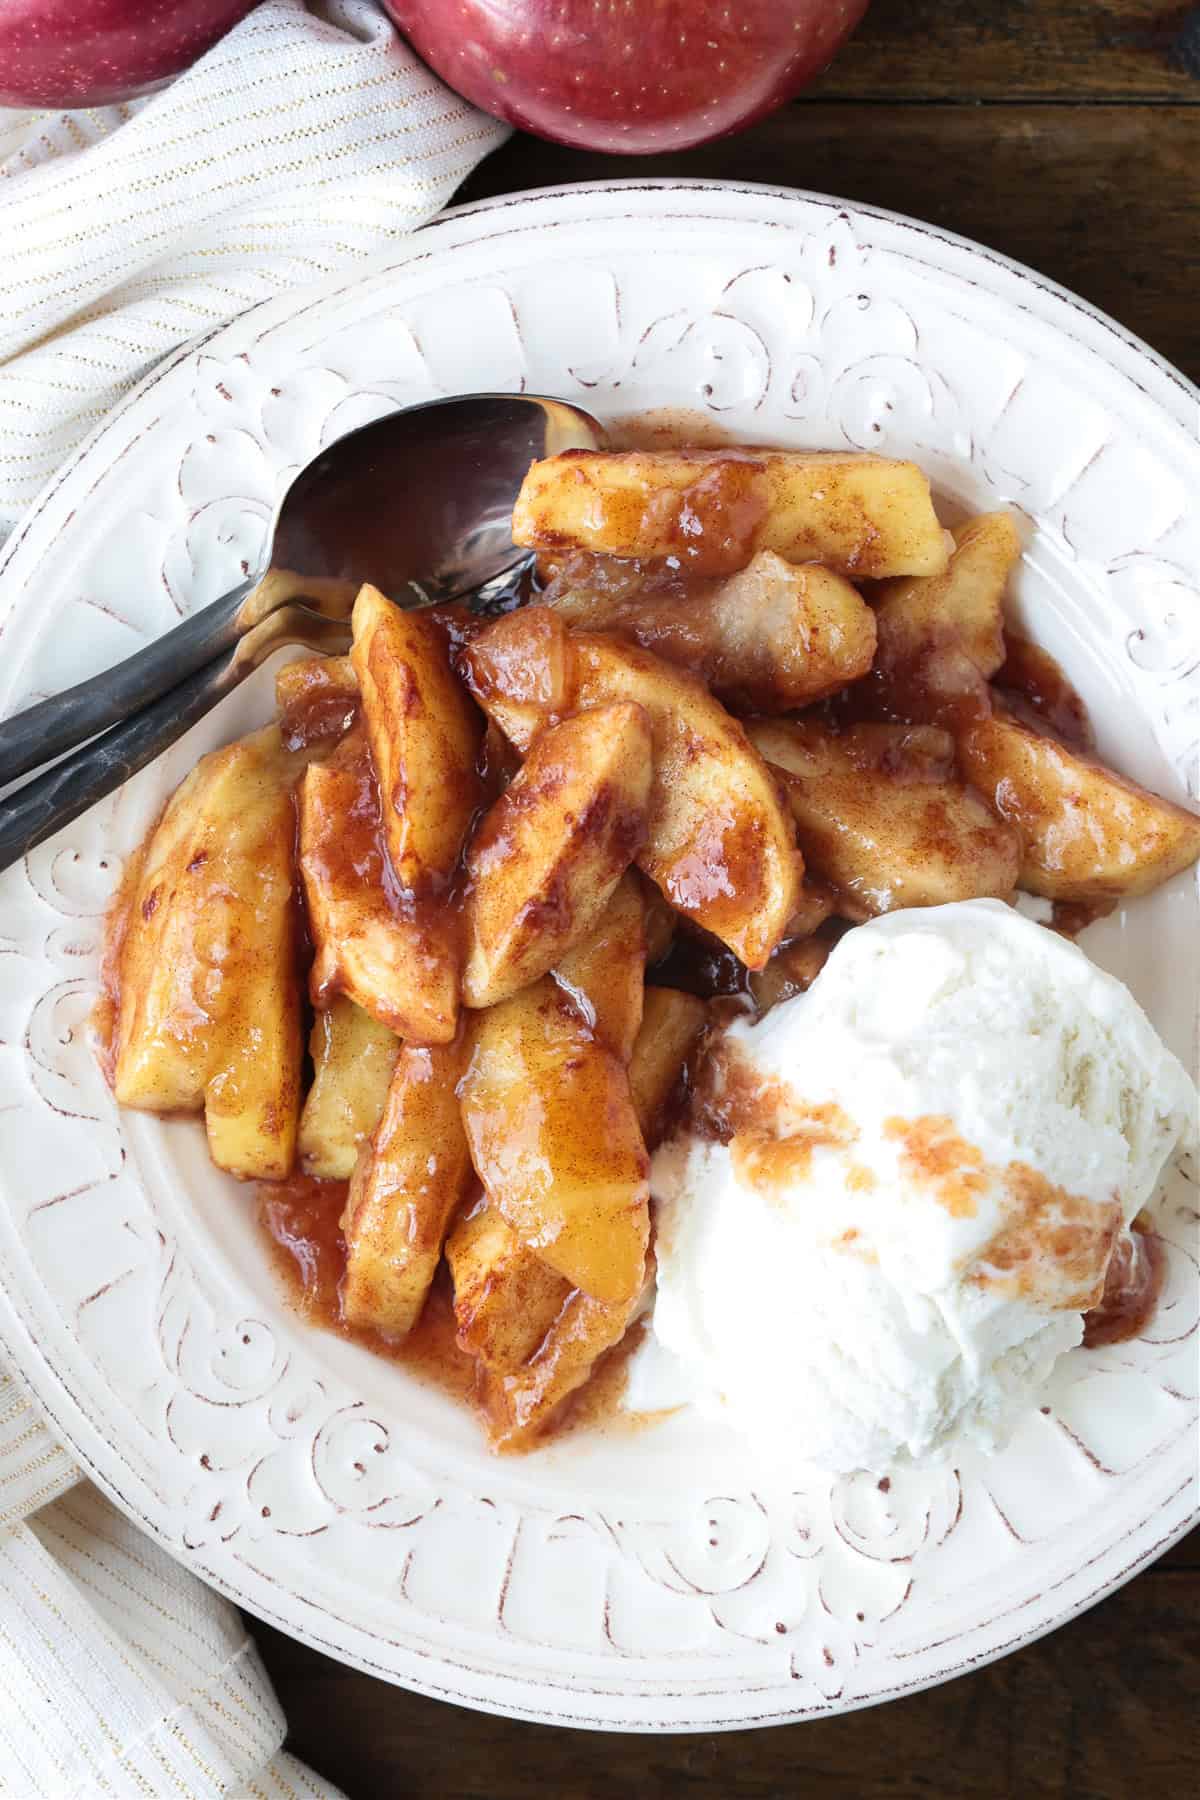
[52,800]
[52,727]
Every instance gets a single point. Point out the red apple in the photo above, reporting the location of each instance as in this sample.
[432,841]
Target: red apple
[627,75]
[63,53]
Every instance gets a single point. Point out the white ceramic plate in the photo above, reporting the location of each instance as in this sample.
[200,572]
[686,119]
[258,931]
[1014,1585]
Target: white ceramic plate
[642,1581]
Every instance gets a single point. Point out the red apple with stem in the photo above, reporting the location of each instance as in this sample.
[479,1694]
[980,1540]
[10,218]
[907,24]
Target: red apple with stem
[65,53]
[627,75]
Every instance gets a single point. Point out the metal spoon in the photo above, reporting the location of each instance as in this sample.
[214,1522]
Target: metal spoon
[418,502]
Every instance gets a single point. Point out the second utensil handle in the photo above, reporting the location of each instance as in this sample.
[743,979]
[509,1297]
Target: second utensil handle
[50,801]
[52,727]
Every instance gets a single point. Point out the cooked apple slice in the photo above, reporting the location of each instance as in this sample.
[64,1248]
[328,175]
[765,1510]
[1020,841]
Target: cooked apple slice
[520,671]
[547,857]
[942,636]
[209,1012]
[424,736]
[400,964]
[505,1297]
[882,817]
[252,1096]
[317,699]
[606,974]
[1085,832]
[772,638]
[791,971]
[719,845]
[520,1406]
[860,515]
[815,904]
[353,1058]
[658,921]
[406,1187]
[555,1140]
[671,1025]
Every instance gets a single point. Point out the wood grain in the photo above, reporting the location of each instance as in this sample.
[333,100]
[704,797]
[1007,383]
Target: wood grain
[973,50]
[1064,133]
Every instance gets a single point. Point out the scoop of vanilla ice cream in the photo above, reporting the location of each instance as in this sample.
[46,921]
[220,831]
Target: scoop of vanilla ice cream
[902,1188]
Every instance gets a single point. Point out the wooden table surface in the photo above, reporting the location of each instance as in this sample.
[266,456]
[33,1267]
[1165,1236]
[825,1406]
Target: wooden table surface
[1067,134]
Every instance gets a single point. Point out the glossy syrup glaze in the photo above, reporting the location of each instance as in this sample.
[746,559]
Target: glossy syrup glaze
[1034,687]
[1132,1288]
[708,524]
[301,1223]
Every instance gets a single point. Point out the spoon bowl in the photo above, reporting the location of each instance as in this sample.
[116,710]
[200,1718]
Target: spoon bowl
[420,503]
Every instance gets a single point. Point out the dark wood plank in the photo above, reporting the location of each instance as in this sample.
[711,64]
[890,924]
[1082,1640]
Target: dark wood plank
[1183,1555]
[1100,198]
[1102,1709]
[1014,49]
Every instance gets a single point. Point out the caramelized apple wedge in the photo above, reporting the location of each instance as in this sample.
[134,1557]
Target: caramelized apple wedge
[409,1182]
[671,1025]
[719,842]
[555,1140]
[606,974]
[547,857]
[942,636]
[772,638]
[521,672]
[505,1297]
[882,817]
[791,971]
[520,1406]
[860,515]
[424,736]
[353,1057]
[1085,832]
[209,1011]
[398,962]
[317,700]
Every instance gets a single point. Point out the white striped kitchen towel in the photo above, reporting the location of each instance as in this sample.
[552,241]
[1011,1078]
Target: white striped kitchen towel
[305,140]
[120,1673]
